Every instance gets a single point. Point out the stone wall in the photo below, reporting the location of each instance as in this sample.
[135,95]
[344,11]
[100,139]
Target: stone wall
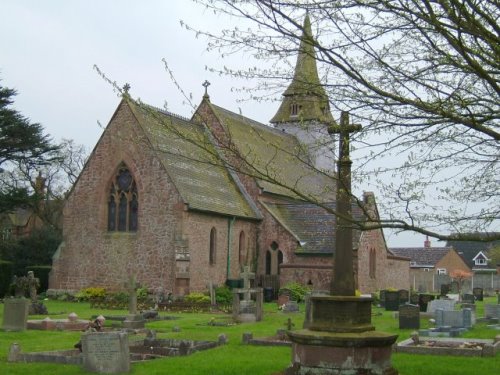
[92,256]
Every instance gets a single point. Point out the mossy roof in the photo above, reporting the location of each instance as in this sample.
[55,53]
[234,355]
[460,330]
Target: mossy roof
[311,225]
[192,163]
[276,158]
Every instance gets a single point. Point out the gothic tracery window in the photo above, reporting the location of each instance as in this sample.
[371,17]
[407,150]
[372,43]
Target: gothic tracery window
[123,203]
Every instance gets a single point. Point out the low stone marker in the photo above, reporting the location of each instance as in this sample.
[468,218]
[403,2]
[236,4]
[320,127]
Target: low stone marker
[457,319]
[106,352]
[291,307]
[478,294]
[15,314]
[391,301]
[492,311]
[409,316]
[468,298]
[443,304]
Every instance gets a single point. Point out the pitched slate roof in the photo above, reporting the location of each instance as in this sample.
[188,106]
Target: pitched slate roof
[469,249]
[192,163]
[312,226]
[421,256]
[276,154]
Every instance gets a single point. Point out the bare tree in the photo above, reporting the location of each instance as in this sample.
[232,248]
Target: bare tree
[421,77]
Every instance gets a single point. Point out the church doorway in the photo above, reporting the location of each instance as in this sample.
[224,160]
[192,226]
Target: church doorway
[272,260]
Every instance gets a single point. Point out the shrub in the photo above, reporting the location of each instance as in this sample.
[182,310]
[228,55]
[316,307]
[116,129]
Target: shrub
[90,293]
[197,297]
[298,291]
[223,295]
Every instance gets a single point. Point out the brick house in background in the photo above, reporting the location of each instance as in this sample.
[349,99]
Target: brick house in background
[427,263]
[159,198]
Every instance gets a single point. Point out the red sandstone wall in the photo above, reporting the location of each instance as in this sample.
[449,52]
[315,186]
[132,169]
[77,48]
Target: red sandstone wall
[92,256]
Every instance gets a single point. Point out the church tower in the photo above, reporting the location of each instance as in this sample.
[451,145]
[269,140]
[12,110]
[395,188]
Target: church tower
[305,109]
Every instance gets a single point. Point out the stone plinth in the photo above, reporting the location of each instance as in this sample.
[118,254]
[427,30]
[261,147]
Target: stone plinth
[340,339]
[134,321]
[15,314]
[366,353]
[341,314]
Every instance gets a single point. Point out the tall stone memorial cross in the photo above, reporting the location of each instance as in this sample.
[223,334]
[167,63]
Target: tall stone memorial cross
[247,276]
[132,287]
[343,283]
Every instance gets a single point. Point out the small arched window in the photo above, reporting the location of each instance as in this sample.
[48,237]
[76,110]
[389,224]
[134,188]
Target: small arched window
[372,263]
[268,262]
[242,252]
[294,109]
[123,202]
[280,260]
[213,246]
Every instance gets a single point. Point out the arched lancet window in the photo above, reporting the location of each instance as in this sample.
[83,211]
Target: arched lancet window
[280,260]
[213,245]
[242,258]
[372,263]
[268,262]
[123,202]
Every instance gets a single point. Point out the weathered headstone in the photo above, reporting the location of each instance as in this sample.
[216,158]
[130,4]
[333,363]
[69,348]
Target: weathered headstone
[409,316]
[491,311]
[443,304]
[478,294]
[247,310]
[468,298]
[291,307]
[15,314]
[382,297]
[445,289]
[423,301]
[106,352]
[414,299]
[391,300]
[404,296]
[458,319]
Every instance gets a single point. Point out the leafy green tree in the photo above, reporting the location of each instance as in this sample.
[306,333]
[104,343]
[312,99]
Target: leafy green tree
[21,141]
[494,255]
[421,76]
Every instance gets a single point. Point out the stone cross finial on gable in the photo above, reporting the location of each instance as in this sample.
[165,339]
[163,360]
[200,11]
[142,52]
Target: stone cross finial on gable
[205,85]
[126,88]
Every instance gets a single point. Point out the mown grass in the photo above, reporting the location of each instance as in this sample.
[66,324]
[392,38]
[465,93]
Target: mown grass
[233,358]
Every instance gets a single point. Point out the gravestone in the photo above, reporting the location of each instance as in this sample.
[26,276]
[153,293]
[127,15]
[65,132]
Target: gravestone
[404,296]
[409,316]
[291,307]
[106,352]
[445,289]
[443,304]
[414,299]
[478,294]
[247,310]
[491,311]
[284,296]
[457,319]
[382,297]
[391,300]
[468,298]
[423,301]
[15,314]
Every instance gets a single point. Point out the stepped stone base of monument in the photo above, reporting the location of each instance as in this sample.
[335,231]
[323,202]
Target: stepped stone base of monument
[340,340]
[134,321]
[366,353]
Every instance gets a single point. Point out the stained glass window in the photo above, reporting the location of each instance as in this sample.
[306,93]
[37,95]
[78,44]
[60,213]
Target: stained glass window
[123,203]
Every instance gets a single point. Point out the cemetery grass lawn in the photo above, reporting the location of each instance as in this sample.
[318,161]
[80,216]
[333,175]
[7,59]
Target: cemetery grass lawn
[233,358]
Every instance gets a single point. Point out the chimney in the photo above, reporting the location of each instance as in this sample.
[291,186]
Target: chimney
[40,184]
[427,243]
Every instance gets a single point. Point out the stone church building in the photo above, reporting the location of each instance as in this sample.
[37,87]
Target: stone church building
[180,203]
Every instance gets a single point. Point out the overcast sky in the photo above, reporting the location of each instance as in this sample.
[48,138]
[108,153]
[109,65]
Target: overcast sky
[49,49]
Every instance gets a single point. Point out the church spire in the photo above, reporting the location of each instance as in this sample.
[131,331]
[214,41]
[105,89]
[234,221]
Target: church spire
[305,98]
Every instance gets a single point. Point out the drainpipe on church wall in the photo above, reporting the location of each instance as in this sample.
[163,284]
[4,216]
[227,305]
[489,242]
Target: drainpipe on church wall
[230,223]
